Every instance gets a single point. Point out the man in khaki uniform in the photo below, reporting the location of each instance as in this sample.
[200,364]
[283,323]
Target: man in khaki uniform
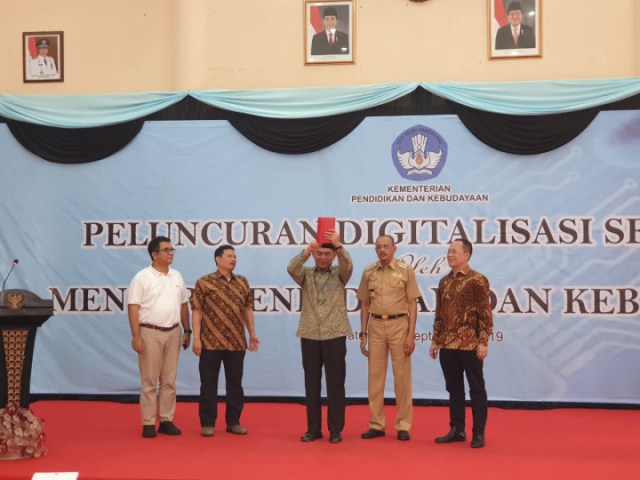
[388,292]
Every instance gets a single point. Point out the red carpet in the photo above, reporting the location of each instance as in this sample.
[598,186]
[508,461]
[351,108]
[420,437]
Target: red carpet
[101,440]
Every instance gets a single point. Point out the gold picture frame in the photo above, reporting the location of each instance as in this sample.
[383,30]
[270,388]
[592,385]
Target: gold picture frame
[329,30]
[43,56]
[515,28]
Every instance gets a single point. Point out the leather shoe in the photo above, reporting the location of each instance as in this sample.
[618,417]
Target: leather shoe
[237,429]
[372,433]
[168,428]
[335,438]
[310,436]
[477,441]
[207,432]
[403,435]
[148,431]
[453,436]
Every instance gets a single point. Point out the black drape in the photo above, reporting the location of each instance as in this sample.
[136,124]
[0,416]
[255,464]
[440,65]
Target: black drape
[74,145]
[525,135]
[291,136]
[516,134]
[295,136]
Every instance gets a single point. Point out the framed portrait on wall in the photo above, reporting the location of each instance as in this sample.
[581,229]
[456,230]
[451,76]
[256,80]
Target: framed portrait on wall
[515,28]
[43,56]
[329,28]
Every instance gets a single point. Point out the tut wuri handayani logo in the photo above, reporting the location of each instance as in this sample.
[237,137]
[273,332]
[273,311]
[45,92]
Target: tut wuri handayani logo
[419,153]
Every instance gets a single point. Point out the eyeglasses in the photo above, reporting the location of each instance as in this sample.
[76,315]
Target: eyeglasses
[167,250]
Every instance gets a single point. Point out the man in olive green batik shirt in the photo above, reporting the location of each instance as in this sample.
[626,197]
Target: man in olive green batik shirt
[324,326]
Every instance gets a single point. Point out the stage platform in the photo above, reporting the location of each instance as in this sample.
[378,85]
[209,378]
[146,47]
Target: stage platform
[101,440]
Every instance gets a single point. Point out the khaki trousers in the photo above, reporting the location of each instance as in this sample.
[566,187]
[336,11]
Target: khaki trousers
[388,337]
[158,365]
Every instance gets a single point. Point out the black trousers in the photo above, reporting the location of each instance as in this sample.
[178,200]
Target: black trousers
[209,366]
[332,355]
[456,363]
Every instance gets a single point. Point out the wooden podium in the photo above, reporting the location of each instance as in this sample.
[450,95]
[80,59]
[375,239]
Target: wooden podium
[21,313]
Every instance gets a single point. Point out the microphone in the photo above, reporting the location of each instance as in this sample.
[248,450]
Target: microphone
[15,262]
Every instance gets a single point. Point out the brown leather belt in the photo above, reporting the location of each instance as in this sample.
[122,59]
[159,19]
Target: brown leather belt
[388,317]
[155,327]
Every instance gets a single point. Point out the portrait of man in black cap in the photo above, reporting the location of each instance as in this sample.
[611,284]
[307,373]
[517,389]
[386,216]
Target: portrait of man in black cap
[330,41]
[515,34]
[43,53]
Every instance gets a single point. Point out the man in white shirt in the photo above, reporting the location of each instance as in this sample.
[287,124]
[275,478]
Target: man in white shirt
[43,66]
[157,305]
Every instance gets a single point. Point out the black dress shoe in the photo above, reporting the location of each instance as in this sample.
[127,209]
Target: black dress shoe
[453,436]
[477,441]
[311,436]
[403,435]
[372,433]
[149,431]
[168,428]
[335,438]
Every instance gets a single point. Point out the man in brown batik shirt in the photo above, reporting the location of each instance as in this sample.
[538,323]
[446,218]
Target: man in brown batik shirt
[461,332]
[222,306]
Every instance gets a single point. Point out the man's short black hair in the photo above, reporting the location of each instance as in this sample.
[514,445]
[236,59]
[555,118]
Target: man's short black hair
[467,246]
[154,244]
[220,251]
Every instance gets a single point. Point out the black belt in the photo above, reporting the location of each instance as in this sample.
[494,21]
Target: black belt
[155,327]
[388,317]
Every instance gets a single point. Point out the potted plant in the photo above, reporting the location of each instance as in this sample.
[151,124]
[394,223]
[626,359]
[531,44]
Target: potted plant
[21,433]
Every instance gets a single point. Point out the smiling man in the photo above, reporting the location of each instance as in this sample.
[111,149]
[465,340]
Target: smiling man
[222,305]
[461,331]
[157,305]
[330,41]
[43,66]
[515,34]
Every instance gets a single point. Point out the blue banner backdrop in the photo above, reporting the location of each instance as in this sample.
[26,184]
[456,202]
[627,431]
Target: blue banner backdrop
[556,234]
